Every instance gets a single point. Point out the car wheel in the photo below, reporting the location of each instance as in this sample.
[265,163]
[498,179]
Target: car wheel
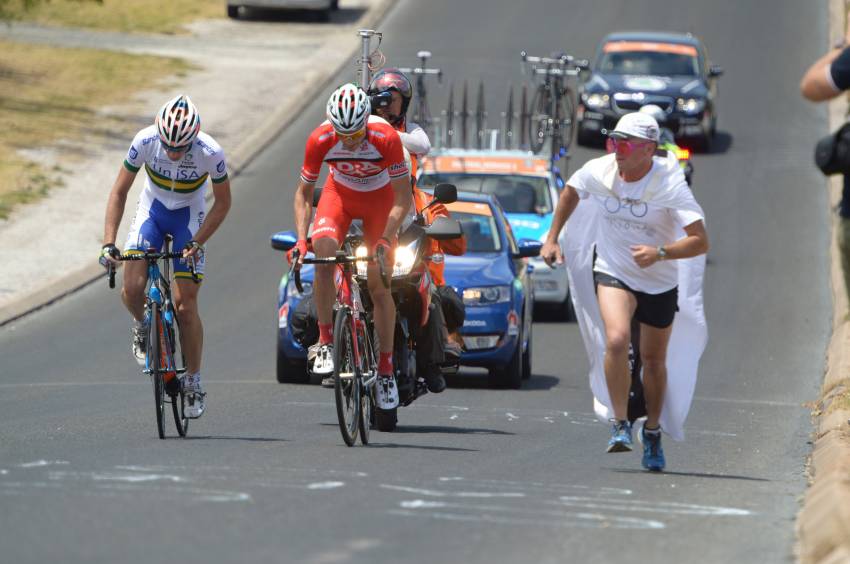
[526,358]
[584,138]
[510,376]
[233,12]
[323,16]
[334,6]
[290,371]
[566,311]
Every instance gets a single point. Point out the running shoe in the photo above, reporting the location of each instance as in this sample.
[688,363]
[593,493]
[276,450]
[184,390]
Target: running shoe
[387,392]
[621,437]
[653,454]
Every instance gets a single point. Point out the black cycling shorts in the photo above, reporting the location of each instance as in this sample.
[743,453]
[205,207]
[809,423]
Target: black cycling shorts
[655,310]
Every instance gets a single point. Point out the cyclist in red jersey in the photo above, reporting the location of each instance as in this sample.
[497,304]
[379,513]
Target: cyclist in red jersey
[368,180]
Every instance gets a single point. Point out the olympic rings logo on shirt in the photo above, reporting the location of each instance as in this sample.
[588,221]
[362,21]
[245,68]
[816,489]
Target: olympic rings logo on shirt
[636,207]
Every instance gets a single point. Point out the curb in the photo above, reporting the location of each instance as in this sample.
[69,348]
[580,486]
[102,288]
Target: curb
[238,159]
[823,523]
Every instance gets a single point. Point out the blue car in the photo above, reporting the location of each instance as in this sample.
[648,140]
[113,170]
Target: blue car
[528,192]
[493,278]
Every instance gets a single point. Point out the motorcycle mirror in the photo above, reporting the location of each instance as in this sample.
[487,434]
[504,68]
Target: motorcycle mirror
[444,228]
[445,193]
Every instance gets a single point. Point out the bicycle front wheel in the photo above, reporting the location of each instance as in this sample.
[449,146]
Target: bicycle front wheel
[346,378]
[566,112]
[155,364]
[175,387]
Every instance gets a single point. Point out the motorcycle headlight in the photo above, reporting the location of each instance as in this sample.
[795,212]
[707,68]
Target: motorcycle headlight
[292,290]
[596,100]
[404,257]
[486,295]
[690,105]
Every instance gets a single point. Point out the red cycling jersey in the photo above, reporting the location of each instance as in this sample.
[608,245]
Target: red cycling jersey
[358,186]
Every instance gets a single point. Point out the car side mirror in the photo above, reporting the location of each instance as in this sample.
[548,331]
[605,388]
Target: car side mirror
[444,228]
[284,240]
[445,193]
[528,248]
[715,70]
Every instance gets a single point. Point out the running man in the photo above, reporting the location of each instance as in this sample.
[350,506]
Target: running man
[639,219]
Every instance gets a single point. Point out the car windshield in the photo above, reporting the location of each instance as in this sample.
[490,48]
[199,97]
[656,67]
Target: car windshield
[480,232]
[657,63]
[516,193]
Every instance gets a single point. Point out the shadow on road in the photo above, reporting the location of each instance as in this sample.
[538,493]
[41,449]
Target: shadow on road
[248,439]
[341,16]
[423,447]
[692,474]
[474,381]
[414,429]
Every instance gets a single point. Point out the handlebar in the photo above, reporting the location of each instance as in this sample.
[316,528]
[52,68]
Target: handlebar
[340,258]
[147,255]
[562,61]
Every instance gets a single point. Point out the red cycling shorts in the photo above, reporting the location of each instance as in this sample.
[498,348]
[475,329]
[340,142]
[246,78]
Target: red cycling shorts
[339,205]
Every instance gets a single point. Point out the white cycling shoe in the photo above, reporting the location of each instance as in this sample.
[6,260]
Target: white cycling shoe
[386,392]
[139,340]
[195,395]
[323,365]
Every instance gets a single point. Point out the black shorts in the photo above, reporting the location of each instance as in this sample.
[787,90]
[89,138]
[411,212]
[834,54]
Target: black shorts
[656,310]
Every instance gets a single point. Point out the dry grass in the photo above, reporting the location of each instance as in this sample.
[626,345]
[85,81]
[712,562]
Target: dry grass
[49,93]
[132,16]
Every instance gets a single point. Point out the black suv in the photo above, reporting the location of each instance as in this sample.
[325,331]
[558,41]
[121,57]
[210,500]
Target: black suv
[634,69]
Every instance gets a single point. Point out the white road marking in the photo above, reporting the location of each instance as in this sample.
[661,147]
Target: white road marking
[437,493]
[421,503]
[511,416]
[43,463]
[325,485]
[667,507]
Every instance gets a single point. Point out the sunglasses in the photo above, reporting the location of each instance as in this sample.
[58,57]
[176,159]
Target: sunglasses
[177,150]
[626,146]
[356,136]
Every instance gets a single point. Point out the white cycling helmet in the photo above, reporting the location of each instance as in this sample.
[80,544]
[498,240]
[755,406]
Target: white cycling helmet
[656,112]
[348,109]
[178,122]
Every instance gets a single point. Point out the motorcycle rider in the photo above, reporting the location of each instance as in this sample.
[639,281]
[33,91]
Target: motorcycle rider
[391,92]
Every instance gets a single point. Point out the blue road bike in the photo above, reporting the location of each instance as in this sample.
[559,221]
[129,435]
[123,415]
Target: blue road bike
[161,351]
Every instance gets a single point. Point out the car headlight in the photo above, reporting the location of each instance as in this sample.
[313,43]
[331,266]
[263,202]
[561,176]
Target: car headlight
[690,105]
[292,290]
[596,100]
[487,295]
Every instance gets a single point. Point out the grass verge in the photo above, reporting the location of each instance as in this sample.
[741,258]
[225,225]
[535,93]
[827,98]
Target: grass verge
[131,16]
[49,93]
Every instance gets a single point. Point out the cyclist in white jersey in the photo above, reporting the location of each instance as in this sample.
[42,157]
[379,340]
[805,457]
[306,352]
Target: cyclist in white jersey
[179,161]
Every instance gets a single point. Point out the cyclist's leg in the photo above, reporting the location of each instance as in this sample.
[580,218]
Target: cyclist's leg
[144,233]
[183,223]
[374,208]
[616,305]
[329,229]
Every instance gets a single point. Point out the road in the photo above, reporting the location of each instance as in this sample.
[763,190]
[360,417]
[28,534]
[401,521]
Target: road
[472,475]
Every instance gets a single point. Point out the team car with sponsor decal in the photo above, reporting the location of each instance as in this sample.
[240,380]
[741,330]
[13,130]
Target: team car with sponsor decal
[634,69]
[527,190]
[493,278]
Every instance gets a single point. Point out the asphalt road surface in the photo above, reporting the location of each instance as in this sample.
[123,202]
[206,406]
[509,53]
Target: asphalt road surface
[474,474]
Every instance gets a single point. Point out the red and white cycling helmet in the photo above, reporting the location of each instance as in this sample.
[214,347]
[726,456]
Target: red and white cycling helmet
[348,109]
[178,123]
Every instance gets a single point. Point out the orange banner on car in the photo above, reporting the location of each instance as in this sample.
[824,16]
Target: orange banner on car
[621,46]
[483,164]
[477,208]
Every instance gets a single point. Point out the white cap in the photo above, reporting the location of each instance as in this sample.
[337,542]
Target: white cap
[636,124]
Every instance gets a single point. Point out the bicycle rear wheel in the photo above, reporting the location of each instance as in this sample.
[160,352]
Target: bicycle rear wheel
[538,119]
[155,341]
[567,115]
[346,381]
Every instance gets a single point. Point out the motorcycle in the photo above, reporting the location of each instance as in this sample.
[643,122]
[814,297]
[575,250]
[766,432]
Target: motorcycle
[411,289]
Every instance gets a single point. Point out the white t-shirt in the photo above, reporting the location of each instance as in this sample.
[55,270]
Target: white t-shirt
[627,221]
